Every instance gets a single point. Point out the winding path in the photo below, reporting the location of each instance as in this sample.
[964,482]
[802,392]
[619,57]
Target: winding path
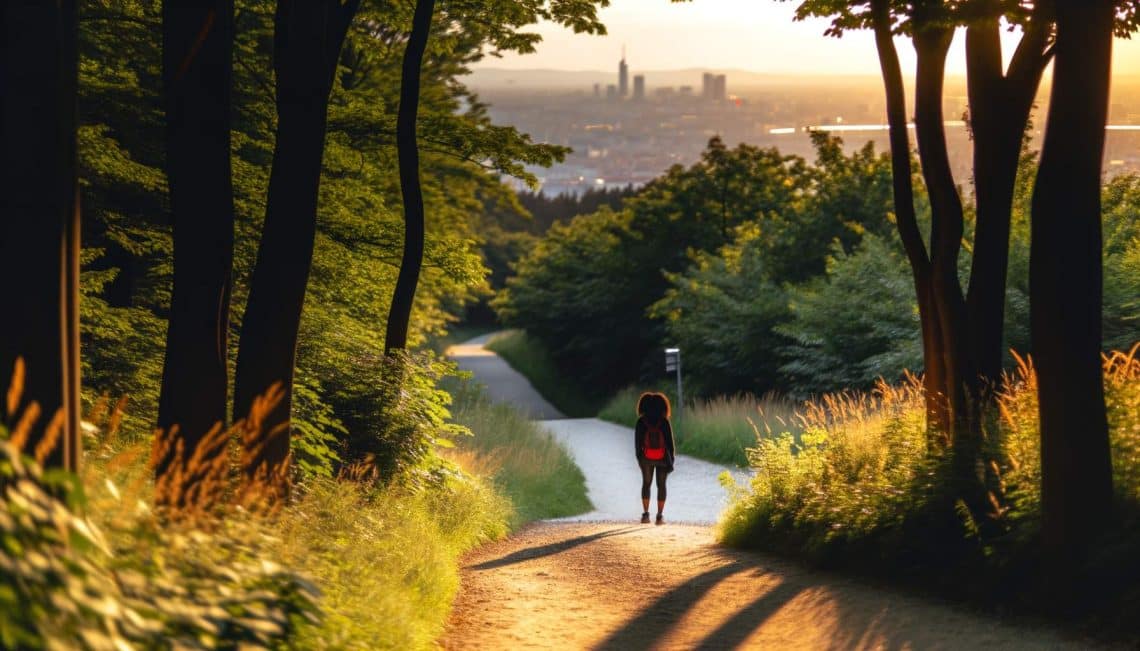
[603,581]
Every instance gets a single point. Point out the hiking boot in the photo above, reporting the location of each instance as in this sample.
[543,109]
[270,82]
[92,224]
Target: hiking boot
[645,518]
[660,519]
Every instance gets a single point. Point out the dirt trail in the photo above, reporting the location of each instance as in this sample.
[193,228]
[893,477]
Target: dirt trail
[622,585]
[633,586]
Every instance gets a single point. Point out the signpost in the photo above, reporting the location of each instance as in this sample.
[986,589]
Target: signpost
[673,364]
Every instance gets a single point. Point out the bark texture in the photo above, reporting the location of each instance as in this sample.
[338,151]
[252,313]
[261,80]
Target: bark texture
[1065,279]
[399,317]
[197,66]
[308,36]
[39,218]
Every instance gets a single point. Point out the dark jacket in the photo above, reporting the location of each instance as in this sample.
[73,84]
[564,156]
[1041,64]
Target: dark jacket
[639,441]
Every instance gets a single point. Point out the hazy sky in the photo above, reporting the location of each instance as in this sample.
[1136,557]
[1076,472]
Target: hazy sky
[754,35]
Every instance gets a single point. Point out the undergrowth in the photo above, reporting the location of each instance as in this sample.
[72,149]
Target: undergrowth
[859,489]
[209,558]
[525,462]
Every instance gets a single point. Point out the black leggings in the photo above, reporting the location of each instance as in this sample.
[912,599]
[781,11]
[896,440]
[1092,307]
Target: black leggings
[647,478]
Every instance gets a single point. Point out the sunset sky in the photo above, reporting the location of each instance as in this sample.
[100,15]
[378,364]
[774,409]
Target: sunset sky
[756,35]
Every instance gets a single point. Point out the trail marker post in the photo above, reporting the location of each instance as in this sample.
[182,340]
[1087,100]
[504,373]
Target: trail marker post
[673,364]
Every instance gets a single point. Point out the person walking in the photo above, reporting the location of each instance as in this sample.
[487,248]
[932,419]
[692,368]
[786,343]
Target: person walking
[653,444]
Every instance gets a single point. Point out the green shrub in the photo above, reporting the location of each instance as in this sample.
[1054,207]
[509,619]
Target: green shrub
[854,325]
[525,462]
[395,414]
[860,489]
[133,581]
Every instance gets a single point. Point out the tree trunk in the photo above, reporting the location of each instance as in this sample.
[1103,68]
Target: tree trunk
[399,316]
[1065,284]
[197,70]
[906,220]
[39,222]
[999,113]
[307,41]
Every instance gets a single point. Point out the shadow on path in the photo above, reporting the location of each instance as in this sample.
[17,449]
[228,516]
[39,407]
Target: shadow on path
[531,553]
[736,630]
[656,620]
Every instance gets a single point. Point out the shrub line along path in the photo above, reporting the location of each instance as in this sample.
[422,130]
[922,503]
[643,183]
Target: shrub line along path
[602,580]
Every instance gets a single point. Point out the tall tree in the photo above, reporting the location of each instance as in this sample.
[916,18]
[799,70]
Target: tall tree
[39,217]
[1000,104]
[307,41]
[396,336]
[1066,281]
[197,67]
[962,335]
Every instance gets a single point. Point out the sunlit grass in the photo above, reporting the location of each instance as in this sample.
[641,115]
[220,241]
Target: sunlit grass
[524,461]
[864,486]
[718,429]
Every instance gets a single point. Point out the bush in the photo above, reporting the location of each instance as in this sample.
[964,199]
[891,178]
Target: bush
[859,488]
[855,325]
[721,312]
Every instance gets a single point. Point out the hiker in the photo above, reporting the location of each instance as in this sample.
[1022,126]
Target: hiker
[653,444]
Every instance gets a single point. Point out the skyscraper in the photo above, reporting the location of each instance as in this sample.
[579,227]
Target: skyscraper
[638,88]
[623,75]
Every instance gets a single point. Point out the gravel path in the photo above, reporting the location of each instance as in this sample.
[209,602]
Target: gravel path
[602,581]
[503,383]
[604,452]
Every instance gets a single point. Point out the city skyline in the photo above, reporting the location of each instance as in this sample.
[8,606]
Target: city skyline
[749,35]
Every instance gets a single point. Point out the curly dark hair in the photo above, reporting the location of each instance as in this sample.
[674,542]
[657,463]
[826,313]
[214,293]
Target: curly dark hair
[653,406]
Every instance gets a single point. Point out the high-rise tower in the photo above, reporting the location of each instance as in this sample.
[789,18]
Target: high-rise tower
[623,76]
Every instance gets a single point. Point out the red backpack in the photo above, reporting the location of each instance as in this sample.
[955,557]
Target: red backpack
[654,442]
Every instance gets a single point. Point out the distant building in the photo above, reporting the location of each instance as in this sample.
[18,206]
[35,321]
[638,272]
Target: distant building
[713,87]
[597,90]
[611,92]
[686,91]
[623,75]
[638,88]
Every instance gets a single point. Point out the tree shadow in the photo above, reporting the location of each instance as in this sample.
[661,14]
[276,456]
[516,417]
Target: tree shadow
[733,632]
[657,619]
[531,553]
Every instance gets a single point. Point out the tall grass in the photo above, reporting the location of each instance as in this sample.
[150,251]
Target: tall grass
[863,487]
[719,429]
[530,358]
[523,461]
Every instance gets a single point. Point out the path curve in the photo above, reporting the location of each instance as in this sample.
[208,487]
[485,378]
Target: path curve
[504,384]
[617,584]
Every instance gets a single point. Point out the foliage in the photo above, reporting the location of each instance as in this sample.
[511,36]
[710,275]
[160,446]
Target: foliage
[860,488]
[396,414]
[524,461]
[130,580]
[721,312]
[854,325]
[127,240]
[532,359]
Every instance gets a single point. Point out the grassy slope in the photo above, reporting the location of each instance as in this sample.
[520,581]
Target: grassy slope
[385,560]
[522,460]
[531,358]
